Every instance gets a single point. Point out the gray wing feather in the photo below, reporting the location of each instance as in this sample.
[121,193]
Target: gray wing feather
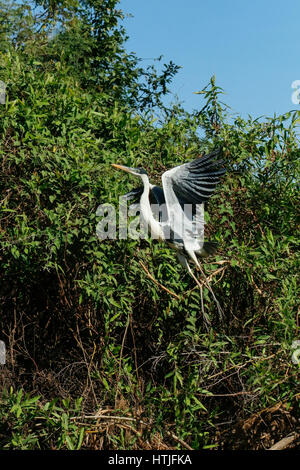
[194,182]
[157,195]
[134,195]
[191,183]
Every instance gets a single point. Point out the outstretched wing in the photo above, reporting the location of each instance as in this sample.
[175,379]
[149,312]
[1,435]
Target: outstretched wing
[186,185]
[195,181]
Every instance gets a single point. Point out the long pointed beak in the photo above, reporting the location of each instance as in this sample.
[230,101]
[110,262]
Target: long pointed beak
[121,167]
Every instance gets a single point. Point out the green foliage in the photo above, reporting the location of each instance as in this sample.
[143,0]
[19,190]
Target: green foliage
[82,317]
[16,24]
[26,424]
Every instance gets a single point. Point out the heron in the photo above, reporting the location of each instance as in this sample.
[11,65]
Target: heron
[179,220]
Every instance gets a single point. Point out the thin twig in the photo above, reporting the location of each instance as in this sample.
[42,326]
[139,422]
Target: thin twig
[240,366]
[215,273]
[210,395]
[158,283]
[120,418]
[207,285]
[127,418]
[177,439]
[120,359]
[283,443]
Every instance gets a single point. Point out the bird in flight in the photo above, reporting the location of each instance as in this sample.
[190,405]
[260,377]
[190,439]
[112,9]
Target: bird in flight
[175,212]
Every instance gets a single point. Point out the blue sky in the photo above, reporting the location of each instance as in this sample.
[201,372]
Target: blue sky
[251,46]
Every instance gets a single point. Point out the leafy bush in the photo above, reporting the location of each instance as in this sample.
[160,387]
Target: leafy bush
[26,425]
[83,317]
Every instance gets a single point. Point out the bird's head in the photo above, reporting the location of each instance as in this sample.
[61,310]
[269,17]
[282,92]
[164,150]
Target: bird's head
[132,171]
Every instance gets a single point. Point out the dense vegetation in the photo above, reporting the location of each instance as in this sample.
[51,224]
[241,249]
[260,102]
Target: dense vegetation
[87,329]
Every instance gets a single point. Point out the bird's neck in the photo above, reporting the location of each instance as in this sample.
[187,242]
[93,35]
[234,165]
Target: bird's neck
[146,210]
[145,202]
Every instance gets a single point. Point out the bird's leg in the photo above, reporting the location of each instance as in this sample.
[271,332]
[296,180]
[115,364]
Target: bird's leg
[184,262]
[206,282]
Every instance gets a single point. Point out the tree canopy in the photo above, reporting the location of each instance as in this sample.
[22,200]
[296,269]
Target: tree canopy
[85,325]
